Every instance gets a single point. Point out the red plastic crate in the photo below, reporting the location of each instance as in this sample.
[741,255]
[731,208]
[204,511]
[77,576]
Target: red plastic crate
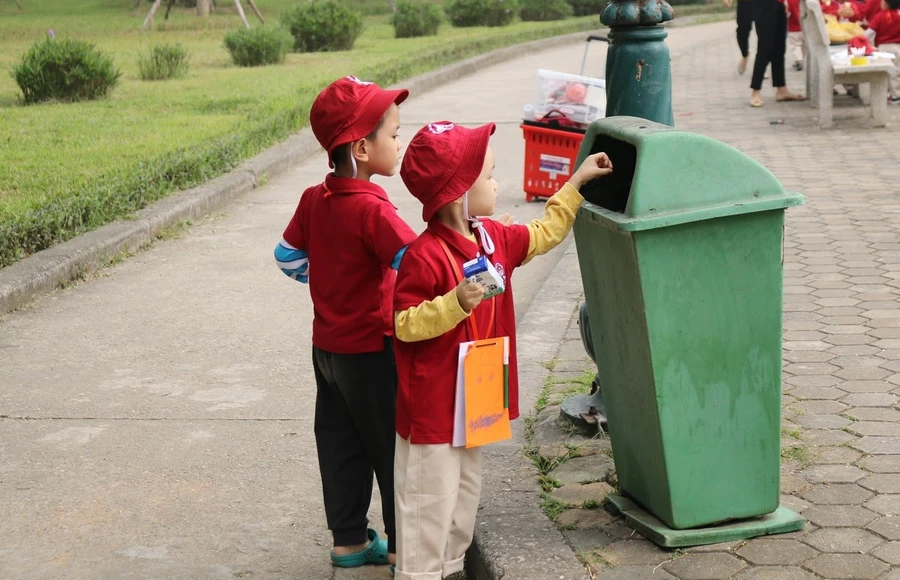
[550,156]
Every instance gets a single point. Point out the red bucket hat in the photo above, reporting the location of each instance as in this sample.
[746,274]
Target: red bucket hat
[349,109]
[442,161]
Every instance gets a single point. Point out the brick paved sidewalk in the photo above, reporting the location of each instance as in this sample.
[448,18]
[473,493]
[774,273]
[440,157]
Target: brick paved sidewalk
[841,435]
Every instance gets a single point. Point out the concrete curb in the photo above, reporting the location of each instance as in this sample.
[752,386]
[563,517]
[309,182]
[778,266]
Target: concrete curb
[39,274]
[514,539]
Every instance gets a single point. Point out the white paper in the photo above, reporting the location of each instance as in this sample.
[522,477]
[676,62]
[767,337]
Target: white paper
[459,410]
[596,97]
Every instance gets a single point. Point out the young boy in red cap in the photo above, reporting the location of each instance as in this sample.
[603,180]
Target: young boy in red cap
[346,240]
[438,486]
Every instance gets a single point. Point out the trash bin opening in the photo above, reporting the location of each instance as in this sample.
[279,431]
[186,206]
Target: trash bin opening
[611,192]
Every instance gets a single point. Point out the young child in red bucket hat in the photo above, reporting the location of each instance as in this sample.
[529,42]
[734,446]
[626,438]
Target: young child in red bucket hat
[438,486]
[346,240]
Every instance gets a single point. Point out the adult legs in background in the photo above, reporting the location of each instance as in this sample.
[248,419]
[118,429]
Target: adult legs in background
[770,21]
[779,47]
[744,25]
[764,15]
[778,54]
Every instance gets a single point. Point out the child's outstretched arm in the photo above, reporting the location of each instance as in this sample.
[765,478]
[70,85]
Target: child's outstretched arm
[559,214]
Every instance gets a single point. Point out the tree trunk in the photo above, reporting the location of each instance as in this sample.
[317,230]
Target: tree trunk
[240,10]
[203,8]
[256,10]
[148,22]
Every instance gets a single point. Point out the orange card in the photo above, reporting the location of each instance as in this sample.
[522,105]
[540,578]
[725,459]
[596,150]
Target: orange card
[486,418]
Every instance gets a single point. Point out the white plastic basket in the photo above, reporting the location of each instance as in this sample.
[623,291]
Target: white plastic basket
[579,98]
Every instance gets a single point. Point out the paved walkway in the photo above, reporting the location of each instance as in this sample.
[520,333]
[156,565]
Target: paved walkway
[156,421]
[841,436]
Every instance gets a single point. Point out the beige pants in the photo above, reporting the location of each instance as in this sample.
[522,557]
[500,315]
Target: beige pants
[436,491]
[795,42]
[895,77]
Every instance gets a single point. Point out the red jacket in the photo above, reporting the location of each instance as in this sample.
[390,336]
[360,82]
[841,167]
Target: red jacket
[352,233]
[830,7]
[886,25]
[794,16]
[869,9]
[864,10]
[426,370]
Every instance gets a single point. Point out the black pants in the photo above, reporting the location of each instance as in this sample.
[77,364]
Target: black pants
[355,430]
[771,33]
[744,25]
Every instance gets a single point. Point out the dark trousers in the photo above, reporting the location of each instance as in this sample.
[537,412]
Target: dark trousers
[744,25]
[771,33]
[355,430]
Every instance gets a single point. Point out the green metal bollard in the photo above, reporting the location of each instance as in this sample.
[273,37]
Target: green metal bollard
[638,73]
[681,259]
[638,84]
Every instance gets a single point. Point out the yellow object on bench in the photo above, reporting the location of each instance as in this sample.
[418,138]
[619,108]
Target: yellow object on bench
[841,32]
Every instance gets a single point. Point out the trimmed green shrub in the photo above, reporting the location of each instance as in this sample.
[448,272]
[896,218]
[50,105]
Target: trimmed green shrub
[588,7]
[164,61]
[258,46]
[322,26]
[416,18]
[64,70]
[463,13]
[543,10]
[82,205]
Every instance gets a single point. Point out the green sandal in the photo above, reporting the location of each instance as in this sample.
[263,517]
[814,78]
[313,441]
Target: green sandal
[375,553]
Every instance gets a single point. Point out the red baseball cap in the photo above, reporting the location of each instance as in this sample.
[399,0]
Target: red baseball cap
[349,109]
[442,161]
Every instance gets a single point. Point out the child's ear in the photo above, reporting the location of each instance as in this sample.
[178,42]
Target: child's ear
[358,149]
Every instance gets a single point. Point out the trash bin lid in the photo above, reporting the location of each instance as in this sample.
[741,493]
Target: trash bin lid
[664,177]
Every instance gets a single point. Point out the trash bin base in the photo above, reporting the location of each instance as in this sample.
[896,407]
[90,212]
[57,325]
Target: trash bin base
[780,521]
[577,411]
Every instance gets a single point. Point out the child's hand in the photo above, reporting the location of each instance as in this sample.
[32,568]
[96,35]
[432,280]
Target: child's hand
[507,220]
[470,295]
[593,167]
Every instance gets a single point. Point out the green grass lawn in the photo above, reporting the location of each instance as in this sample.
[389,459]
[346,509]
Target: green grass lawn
[68,168]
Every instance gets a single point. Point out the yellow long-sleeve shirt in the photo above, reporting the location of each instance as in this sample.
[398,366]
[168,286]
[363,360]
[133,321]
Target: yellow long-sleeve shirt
[433,318]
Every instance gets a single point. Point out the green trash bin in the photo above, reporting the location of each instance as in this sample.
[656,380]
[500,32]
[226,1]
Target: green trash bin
[681,254]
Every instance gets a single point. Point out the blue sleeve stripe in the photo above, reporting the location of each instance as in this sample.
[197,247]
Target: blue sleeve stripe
[293,262]
[283,254]
[395,263]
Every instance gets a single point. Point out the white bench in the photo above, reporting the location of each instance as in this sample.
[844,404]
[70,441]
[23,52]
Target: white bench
[822,74]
